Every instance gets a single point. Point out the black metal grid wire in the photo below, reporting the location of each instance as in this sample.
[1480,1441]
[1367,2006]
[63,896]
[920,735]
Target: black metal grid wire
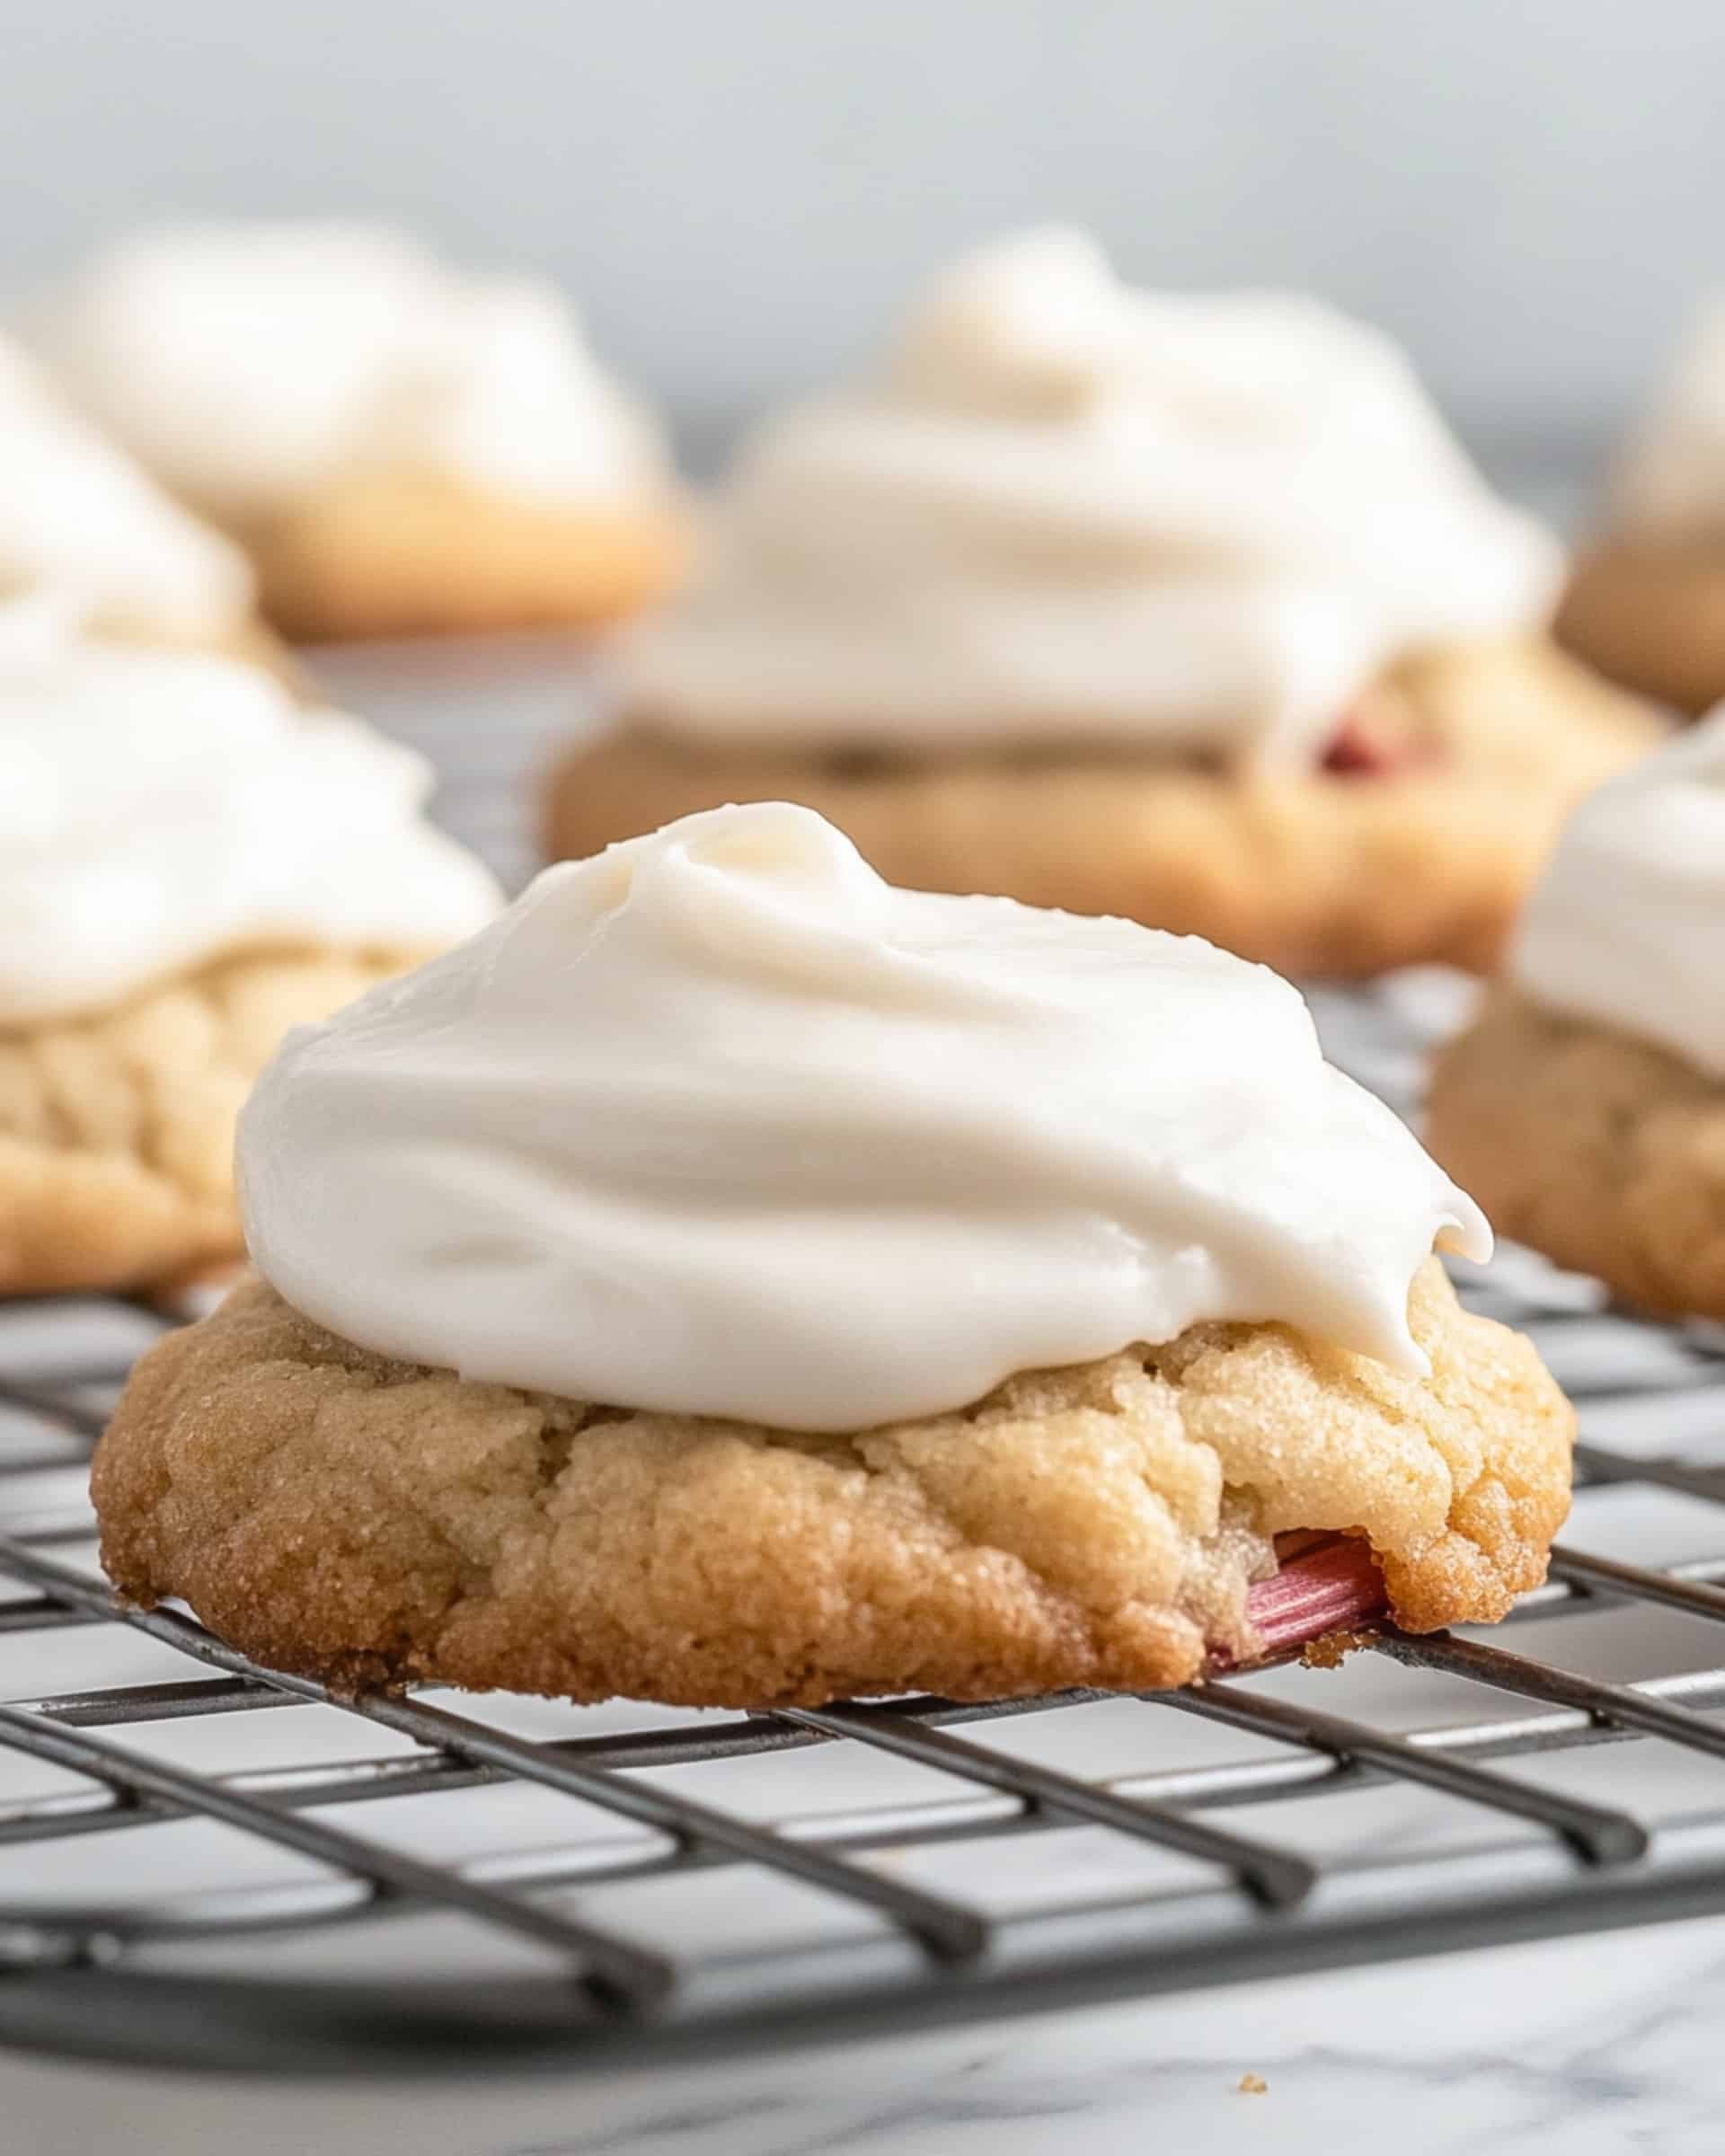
[124,1976]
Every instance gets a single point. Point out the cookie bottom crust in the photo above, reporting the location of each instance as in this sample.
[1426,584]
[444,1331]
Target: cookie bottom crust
[1314,873]
[400,555]
[372,1522]
[1650,614]
[1603,1150]
[117,1129]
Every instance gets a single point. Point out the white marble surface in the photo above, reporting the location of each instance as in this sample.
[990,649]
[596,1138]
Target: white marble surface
[1587,2044]
[1586,2047]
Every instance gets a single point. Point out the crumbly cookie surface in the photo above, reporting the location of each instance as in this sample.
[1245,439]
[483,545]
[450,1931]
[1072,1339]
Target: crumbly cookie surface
[1650,614]
[370,1521]
[1602,1150]
[400,555]
[116,1130]
[1315,873]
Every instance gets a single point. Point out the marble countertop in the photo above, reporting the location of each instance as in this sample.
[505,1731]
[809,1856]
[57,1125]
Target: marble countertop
[1590,2043]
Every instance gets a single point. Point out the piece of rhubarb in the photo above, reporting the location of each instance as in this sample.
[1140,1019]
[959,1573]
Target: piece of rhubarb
[1377,738]
[1325,1585]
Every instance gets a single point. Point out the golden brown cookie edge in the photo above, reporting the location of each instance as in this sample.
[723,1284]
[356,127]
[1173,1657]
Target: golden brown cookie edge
[406,555]
[1649,614]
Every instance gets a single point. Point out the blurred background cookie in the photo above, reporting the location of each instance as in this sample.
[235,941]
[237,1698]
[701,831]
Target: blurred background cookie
[402,445]
[1647,602]
[1184,608]
[1586,1107]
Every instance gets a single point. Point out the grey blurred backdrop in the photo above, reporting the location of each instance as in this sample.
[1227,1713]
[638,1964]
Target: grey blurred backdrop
[1527,191]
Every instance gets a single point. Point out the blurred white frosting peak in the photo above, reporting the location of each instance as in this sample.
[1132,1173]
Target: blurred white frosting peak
[249,365]
[1627,925]
[79,519]
[1062,506]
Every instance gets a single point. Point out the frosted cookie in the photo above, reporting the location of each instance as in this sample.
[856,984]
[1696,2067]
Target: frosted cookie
[79,519]
[1647,602]
[404,446]
[1587,1105]
[1186,609]
[729,1279]
[192,861]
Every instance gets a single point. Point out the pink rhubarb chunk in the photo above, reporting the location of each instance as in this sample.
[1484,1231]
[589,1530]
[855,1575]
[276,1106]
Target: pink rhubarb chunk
[1365,747]
[1325,1584]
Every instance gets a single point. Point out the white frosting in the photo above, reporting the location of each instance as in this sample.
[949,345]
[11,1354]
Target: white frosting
[251,364]
[1672,477]
[78,516]
[159,808]
[720,1122]
[1627,925]
[1069,507]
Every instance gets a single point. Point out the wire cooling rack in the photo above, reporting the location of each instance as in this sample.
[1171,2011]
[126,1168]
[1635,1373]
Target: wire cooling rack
[210,1863]
[205,1862]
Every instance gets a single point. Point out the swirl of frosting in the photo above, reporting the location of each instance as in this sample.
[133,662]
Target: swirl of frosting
[158,808]
[720,1122]
[1627,923]
[1672,475]
[248,365]
[1066,508]
[78,516]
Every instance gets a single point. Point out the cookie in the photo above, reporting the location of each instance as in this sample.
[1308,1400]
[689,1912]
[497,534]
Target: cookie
[368,1521]
[404,443]
[1649,612]
[1337,871]
[1603,1150]
[116,1130]
[391,555]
